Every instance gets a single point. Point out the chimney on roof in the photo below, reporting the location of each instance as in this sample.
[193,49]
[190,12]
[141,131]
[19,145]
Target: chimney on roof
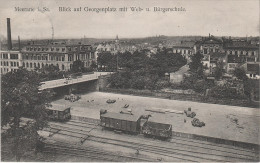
[209,34]
[229,37]
[9,37]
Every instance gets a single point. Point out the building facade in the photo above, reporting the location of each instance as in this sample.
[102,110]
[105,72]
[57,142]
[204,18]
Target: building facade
[185,48]
[10,61]
[57,54]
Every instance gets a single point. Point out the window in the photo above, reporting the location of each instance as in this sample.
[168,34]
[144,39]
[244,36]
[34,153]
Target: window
[63,49]
[63,58]
[39,57]
[52,49]
[57,49]
[27,64]
[34,64]
[13,56]
[205,51]
[23,64]
[14,64]
[5,56]
[30,65]
[63,67]
[39,65]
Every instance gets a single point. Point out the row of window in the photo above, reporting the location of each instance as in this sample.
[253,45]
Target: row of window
[208,50]
[38,65]
[45,49]
[43,57]
[5,56]
[241,52]
[62,49]
[182,51]
[12,64]
[81,57]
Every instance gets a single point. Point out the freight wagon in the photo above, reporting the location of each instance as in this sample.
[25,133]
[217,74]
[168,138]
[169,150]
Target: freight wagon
[118,121]
[156,128]
[58,112]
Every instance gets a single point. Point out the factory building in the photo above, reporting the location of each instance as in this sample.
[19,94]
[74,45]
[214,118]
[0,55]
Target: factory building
[56,53]
[37,55]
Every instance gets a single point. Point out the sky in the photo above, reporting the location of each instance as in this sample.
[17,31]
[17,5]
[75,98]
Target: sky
[201,17]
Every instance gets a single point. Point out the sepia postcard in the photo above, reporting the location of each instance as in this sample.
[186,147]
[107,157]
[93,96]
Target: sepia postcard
[129,80]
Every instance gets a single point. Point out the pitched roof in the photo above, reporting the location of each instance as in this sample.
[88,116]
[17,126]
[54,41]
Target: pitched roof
[211,40]
[185,44]
[240,45]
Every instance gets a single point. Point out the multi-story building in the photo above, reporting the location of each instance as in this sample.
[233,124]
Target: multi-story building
[57,53]
[185,48]
[239,52]
[232,53]
[10,61]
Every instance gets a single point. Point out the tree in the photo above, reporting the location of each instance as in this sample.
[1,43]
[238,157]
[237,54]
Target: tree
[240,73]
[196,62]
[106,61]
[93,65]
[77,66]
[21,97]
[50,72]
[219,70]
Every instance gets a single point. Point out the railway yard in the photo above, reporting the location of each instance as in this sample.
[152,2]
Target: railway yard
[85,138]
[82,140]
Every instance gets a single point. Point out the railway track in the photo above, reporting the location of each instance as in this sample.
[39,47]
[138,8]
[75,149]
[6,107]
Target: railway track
[185,151]
[89,152]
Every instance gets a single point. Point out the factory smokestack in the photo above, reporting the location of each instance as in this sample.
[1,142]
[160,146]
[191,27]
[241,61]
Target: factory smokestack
[9,37]
[19,43]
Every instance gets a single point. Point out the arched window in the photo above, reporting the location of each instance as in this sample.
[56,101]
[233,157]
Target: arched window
[63,67]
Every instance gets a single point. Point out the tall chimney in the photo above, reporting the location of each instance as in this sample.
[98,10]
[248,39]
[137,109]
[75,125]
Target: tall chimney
[19,43]
[9,37]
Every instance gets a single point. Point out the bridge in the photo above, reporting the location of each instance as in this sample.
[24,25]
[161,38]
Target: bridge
[64,82]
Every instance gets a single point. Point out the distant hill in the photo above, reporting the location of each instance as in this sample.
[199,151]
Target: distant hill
[156,40]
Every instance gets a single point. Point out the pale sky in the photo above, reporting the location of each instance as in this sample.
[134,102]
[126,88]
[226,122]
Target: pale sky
[218,17]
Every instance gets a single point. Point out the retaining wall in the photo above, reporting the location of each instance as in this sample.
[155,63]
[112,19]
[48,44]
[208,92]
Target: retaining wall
[183,97]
